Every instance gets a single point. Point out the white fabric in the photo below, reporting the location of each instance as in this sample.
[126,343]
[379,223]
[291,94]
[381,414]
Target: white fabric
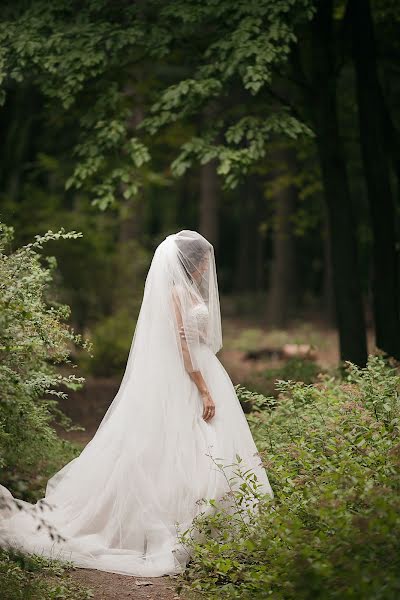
[121,502]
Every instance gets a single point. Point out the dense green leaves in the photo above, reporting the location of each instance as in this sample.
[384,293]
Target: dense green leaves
[85,58]
[34,338]
[76,57]
[32,577]
[246,143]
[332,530]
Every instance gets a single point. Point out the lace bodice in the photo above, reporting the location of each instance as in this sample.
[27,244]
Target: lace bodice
[199,312]
[197,323]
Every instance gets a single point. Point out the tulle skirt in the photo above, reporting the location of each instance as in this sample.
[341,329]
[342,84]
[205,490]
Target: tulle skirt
[121,504]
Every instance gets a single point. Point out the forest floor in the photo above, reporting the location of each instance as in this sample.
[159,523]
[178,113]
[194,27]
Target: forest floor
[111,586]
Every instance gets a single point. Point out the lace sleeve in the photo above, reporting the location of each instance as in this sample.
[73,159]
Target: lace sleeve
[185,333]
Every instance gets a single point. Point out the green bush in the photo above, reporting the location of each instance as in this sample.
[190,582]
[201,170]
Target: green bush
[34,340]
[112,334]
[332,453]
[111,339]
[32,578]
[293,369]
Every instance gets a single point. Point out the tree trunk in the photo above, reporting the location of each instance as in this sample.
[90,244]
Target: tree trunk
[281,288]
[348,298]
[209,203]
[328,293]
[385,283]
[17,126]
[130,231]
[250,251]
[208,208]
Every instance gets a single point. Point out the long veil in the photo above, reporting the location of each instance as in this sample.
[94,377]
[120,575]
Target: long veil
[119,502]
[157,355]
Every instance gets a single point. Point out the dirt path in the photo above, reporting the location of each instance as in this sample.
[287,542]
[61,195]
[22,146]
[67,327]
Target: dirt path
[110,586]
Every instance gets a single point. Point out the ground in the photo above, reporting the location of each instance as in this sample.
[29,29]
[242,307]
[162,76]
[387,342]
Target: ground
[110,586]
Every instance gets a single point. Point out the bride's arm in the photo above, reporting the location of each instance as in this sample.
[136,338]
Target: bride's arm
[187,361]
[195,375]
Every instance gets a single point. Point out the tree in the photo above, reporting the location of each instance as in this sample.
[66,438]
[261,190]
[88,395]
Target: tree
[376,160]
[282,275]
[341,222]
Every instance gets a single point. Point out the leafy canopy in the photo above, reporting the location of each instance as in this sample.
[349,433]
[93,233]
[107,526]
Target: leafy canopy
[178,60]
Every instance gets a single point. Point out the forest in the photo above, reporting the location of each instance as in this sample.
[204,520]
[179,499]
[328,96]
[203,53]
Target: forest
[272,127]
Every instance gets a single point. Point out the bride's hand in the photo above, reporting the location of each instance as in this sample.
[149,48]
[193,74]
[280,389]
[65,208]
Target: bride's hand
[208,405]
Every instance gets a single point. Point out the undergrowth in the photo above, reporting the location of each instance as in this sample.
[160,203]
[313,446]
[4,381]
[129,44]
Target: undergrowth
[332,531]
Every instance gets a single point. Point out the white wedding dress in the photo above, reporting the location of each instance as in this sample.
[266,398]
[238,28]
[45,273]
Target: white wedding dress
[120,504]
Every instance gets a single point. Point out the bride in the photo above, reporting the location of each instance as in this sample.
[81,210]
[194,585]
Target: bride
[120,504]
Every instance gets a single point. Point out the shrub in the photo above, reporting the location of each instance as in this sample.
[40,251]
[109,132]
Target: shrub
[296,369]
[111,339]
[34,340]
[32,577]
[293,369]
[332,453]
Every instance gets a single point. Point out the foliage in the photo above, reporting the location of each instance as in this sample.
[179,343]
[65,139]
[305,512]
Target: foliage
[34,340]
[111,340]
[246,45]
[299,333]
[76,56]
[295,369]
[332,453]
[30,577]
[111,336]
[246,143]
[85,59]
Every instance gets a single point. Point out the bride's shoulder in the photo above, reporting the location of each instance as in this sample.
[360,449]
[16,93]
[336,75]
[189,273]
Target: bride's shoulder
[178,290]
[183,294]
[179,293]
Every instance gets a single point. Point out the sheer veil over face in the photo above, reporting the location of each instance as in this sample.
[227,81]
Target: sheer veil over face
[181,286]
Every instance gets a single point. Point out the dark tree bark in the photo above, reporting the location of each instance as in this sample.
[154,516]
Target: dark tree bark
[18,138]
[281,289]
[328,293]
[385,284]
[245,242]
[348,299]
[209,189]
[130,229]
[208,209]
[250,247]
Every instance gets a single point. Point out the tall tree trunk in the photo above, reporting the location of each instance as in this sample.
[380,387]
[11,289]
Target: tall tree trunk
[208,209]
[377,174]
[328,293]
[249,257]
[17,127]
[348,298]
[260,243]
[281,288]
[209,203]
[130,230]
